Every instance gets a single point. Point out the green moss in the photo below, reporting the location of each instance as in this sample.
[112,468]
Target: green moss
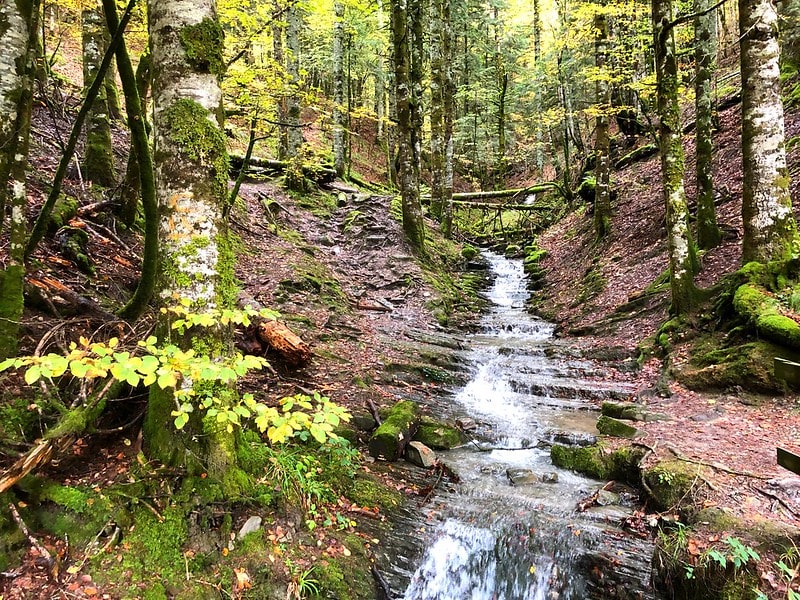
[391,437]
[780,329]
[673,484]
[203,44]
[598,461]
[346,577]
[438,436]
[64,210]
[469,252]
[372,493]
[616,428]
[200,140]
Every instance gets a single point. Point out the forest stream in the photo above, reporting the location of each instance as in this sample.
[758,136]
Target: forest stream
[510,529]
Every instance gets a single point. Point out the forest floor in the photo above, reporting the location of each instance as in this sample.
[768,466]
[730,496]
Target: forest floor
[338,269]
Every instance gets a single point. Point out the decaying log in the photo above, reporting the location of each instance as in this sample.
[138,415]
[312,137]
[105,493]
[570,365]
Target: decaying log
[279,338]
[54,295]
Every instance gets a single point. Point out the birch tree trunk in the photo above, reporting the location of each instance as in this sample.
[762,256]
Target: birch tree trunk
[98,160]
[602,190]
[338,88]
[679,242]
[407,173]
[705,36]
[294,20]
[769,224]
[191,166]
[18,50]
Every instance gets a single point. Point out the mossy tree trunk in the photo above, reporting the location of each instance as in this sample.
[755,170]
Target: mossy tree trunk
[279,56]
[128,207]
[602,146]
[98,159]
[769,224]
[143,159]
[407,171]
[18,50]
[191,166]
[705,39]
[338,88]
[679,241]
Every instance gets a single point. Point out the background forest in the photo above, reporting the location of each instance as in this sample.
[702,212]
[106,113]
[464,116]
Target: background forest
[236,234]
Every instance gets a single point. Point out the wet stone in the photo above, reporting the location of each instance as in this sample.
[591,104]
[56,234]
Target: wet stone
[419,454]
[251,525]
[521,476]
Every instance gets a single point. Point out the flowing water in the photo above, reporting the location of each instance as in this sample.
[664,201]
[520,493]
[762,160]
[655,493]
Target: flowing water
[493,540]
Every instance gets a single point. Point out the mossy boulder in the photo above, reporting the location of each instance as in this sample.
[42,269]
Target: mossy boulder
[64,210]
[616,428]
[673,484]
[599,461]
[631,412]
[398,427]
[749,365]
[438,436]
[372,493]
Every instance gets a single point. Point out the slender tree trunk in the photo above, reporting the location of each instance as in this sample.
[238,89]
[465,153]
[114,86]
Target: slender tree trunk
[294,21]
[18,51]
[448,109]
[338,88]
[602,148]
[191,165]
[415,17]
[437,159]
[705,35]
[98,160]
[679,242]
[769,224]
[131,187]
[279,56]
[380,82]
[413,223]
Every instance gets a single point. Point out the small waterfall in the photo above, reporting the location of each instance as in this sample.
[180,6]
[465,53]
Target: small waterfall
[492,540]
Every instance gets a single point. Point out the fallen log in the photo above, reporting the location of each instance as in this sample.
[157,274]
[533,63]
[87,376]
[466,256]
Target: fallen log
[316,173]
[547,186]
[279,338]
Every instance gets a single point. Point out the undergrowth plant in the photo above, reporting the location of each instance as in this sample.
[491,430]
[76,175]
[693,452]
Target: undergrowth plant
[191,377]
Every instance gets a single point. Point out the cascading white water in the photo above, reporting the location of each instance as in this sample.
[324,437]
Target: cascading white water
[497,541]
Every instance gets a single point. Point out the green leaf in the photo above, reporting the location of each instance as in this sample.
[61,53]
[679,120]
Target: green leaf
[167,379]
[149,364]
[7,363]
[78,368]
[181,420]
[33,374]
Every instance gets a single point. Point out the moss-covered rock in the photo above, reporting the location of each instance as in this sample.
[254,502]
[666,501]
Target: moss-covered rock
[762,310]
[673,484]
[370,492]
[438,436]
[631,412]
[346,577]
[616,428]
[397,429]
[599,461]
[747,365]
[64,210]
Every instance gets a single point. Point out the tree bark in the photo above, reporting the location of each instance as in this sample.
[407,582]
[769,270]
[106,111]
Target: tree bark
[191,165]
[769,224]
[338,88]
[602,148]
[98,160]
[679,242]
[294,21]
[18,49]
[407,173]
[279,56]
[705,35]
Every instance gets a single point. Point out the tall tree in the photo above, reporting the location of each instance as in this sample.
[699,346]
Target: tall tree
[705,40]
[407,172]
[338,88]
[279,56]
[769,224]
[679,241]
[602,146]
[98,160]
[294,21]
[191,165]
[18,45]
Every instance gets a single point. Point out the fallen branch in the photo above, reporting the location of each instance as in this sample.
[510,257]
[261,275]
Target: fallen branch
[32,540]
[782,502]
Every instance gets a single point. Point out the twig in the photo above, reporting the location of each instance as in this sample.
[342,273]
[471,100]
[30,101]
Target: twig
[374,410]
[32,540]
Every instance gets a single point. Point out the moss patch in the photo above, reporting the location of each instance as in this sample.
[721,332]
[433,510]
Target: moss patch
[599,461]
[390,439]
[438,436]
[749,365]
[203,44]
[673,484]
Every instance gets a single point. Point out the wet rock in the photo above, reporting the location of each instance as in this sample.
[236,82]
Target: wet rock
[521,476]
[251,525]
[419,454]
[607,498]
[364,421]
[616,428]
[439,436]
[551,477]
[466,424]
[631,412]
[571,438]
